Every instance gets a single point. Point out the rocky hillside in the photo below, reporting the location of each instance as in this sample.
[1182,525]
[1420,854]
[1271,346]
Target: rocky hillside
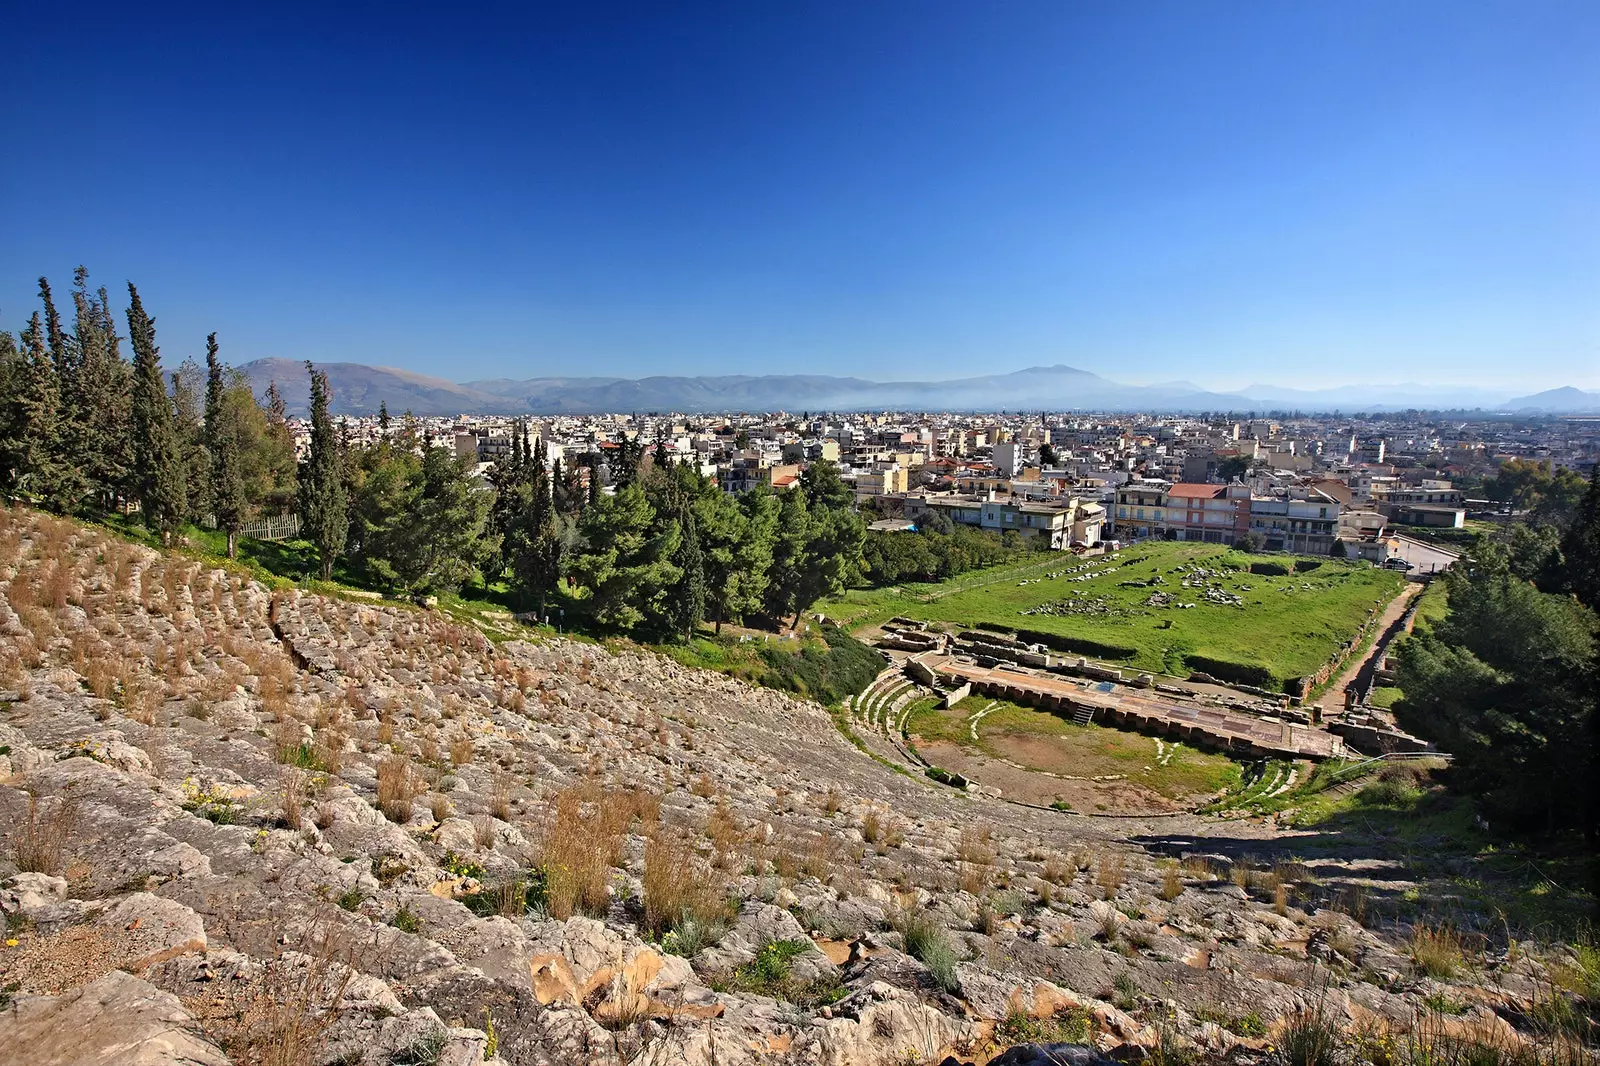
[254,826]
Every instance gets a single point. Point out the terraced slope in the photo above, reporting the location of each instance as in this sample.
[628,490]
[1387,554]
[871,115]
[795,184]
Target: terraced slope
[238,820]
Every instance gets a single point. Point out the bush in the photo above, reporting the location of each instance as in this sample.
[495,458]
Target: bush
[1069,1026]
[838,667]
[1385,794]
[768,974]
[512,898]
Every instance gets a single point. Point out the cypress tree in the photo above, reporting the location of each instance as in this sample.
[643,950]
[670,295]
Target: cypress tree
[280,472]
[689,601]
[55,337]
[277,410]
[1581,546]
[189,430]
[383,418]
[102,441]
[229,502]
[32,404]
[324,509]
[158,474]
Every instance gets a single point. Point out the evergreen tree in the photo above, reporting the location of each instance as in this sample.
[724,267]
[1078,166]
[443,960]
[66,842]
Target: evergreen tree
[11,377]
[278,471]
[277,409]
[159,479]
[1580,548]
[536,547]
[625,562]
[55,336]
[789,559]
[383,419]
[435,536]
[28,461]
[688,605]
[68,482]
[188,429]
[1506,683]
[324,508]
[229,501]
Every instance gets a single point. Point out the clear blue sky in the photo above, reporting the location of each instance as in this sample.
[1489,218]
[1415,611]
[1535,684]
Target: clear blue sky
[1214,190]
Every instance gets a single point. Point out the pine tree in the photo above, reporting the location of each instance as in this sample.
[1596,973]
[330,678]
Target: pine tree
[324,508]
[158,475]
[229,502]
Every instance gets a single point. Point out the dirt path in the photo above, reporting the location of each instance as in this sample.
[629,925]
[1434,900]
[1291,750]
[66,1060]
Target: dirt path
[1334,698]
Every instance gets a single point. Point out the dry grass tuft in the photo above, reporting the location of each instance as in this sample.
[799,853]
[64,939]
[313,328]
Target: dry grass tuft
[1109,872]
[483,831]
[1171,882]
[1059,870]
[500,800]
[678,889]
[1436,950]
[398,786]
[289,1012]
[291,789]
[461,750]
[39,844]
[976,846]
[584,833]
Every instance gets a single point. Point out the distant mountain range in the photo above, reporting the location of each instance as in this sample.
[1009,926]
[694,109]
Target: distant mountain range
[358,389]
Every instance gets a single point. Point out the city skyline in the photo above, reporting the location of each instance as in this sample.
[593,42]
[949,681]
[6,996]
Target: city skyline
[1308,197]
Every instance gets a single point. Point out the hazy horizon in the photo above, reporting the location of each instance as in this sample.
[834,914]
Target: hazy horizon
[1301,197]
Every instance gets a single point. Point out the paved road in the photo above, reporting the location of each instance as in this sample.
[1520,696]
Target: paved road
[1424,558]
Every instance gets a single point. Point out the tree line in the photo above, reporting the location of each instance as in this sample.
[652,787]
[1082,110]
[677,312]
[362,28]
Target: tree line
[1508,682]
[84,429]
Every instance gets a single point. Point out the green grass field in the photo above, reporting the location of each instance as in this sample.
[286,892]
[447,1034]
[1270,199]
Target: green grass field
[1286,626]
[1044,741]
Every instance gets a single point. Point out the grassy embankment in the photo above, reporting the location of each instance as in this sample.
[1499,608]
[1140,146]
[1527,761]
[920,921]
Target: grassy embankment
[1431,608]
[1288,625]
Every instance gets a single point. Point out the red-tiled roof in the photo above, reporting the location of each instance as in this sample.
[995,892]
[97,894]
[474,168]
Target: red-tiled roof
[1201,492]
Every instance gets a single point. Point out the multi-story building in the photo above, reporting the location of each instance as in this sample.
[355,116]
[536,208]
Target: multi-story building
[1062,524]
[1141,509]
[1303,522]
[1215,514]
[1298,519]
